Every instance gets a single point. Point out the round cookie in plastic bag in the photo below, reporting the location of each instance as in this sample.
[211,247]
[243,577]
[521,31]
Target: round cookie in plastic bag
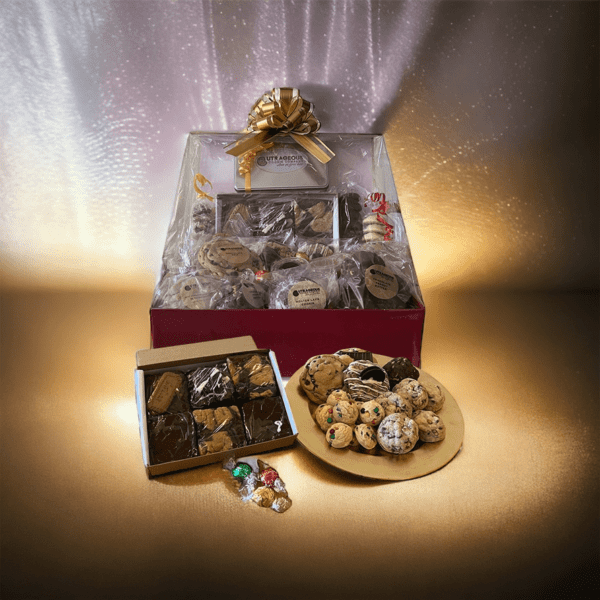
[381,286]
[302,288]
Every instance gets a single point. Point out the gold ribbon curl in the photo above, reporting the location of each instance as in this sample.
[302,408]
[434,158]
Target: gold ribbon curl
[199,182]
[279,112]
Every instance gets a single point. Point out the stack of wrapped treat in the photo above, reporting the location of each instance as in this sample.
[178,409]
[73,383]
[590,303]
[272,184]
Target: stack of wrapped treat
[286,250]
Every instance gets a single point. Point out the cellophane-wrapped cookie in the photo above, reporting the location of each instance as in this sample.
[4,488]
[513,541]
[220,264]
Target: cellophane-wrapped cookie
[315,216]
[243,293]
[252,376]
[256,215]
[219,429]
[382,285]
[303,287]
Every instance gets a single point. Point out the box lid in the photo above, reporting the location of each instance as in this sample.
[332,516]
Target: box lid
[172,355]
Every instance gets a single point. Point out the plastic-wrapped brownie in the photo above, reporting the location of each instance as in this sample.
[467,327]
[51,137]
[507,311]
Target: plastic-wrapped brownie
[382,287]
[265,419]
[252,375]
[351,226]
[255,214]
[167,393]
[210,385]
[315,216]
[172,437]
[219,429]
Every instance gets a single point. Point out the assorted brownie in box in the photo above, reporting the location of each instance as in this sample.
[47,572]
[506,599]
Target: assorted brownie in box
[201,403]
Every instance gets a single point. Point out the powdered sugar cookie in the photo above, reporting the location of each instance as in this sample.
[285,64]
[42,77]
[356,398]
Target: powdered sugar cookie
[397,433]
[393,403]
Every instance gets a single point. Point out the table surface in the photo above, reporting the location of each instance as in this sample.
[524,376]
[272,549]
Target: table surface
[513,515]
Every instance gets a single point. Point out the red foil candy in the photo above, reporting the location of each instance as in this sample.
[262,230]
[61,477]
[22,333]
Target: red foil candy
[269,476]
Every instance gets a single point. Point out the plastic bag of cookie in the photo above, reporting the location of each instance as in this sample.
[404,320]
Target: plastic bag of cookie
[219,429]
[316,216]
[382,285]
[252,376]
[242,291]
[222,255]
[302,287]
[199,290]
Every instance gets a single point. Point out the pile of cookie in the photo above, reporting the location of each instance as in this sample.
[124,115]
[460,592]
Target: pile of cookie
[372,408]
[213,407]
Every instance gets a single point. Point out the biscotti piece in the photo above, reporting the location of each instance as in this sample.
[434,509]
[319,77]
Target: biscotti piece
[168,393]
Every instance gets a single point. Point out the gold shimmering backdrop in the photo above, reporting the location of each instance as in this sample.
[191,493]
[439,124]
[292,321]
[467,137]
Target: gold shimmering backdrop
[490,112]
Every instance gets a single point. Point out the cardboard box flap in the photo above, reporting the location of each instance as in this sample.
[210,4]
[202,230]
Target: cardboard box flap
[172,355]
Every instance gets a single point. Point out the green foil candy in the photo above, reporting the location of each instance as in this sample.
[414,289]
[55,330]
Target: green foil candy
[241,471]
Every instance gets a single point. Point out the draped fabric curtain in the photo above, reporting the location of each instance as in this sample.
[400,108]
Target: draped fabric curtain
[489,110]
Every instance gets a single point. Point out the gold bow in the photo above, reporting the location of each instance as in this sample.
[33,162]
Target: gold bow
[281,112]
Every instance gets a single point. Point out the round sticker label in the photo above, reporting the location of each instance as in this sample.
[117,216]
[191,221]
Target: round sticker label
[253,295]
[281,160]
[381,282]
[232,252]
[191,295]
[307,294]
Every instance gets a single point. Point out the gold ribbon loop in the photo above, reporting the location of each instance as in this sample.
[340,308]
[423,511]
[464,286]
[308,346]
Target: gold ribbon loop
[199,182]
[279,112]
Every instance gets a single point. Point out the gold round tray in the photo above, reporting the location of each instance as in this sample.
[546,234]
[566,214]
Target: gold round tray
[424,459]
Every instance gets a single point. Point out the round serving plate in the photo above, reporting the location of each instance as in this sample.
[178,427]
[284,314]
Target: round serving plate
[424,459]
